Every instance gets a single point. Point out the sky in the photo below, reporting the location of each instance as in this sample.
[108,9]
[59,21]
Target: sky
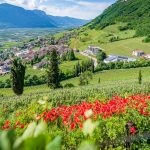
[84,9]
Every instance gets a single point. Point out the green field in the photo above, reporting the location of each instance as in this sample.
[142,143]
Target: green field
[118,75]
[124,46]
[29,71]
[8,45]
[111,77]
[69,65]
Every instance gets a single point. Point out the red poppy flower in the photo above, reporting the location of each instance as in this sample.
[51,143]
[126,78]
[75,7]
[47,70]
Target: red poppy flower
[132,130]
[22,126]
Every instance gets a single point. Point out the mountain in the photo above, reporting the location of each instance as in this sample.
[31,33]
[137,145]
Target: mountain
[63,21]
[136,13]
[16,17]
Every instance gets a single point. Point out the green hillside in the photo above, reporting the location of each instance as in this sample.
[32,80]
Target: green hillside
[134,12]
[117,29]
[124,41]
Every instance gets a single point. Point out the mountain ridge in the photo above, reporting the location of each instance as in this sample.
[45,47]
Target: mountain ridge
[134,12]
[17,17]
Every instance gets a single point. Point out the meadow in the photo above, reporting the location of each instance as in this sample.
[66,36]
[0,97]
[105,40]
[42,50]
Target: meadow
[76,115]
[100,115]
[115,75]
[107,78]
[126,43]
[125,47]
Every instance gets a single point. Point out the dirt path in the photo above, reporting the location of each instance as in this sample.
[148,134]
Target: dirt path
[87,55]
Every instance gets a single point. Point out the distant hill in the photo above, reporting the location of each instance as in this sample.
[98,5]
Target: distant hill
[16,17]
[135,12]
[62,21]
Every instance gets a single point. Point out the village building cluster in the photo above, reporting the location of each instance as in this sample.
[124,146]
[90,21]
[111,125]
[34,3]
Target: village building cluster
[5,67]
[29,55]
[117,58]
[93,50]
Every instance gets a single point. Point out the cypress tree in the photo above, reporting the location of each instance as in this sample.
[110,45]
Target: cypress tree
[77,69]
[17,76]
[92,66]
[140,77]
[53,70]
[71,55]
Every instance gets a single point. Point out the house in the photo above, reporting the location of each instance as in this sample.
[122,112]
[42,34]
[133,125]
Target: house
[39,65]
[8,62]
[147,56]
[137,53]
[1,63]
[117,58]
[4,70]
[93,49]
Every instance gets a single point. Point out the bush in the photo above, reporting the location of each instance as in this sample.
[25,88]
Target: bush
[147,39]
[85,77]
[123,28]
[68,85]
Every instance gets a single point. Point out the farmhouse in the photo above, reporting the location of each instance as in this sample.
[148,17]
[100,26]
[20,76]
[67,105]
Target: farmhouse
[117,58]
[147,56]
[93,50]
[137,53]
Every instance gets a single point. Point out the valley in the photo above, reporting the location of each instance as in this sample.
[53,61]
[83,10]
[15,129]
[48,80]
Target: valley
[75,84]
[19,34]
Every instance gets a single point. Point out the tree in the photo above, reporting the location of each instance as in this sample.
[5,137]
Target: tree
[140,77]
[17,76]
[53,70]
[100,56]
[99,80]
[85,77]
[92,66]
[77,69]
[63,56]
[71,55]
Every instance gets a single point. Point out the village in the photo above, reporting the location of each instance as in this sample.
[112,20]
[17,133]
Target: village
[28,54]
[93,51]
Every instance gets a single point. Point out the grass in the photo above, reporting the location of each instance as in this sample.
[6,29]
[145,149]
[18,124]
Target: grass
[92,37]
[118,75]
[29,71]
[108,78]
[124,46]
[69,65]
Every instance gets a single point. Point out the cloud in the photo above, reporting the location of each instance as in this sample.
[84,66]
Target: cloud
[85,9]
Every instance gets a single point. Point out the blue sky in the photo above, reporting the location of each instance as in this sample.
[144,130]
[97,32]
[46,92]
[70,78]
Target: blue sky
[85,9]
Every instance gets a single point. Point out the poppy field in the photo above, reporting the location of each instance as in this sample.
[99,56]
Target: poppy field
[114,122]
